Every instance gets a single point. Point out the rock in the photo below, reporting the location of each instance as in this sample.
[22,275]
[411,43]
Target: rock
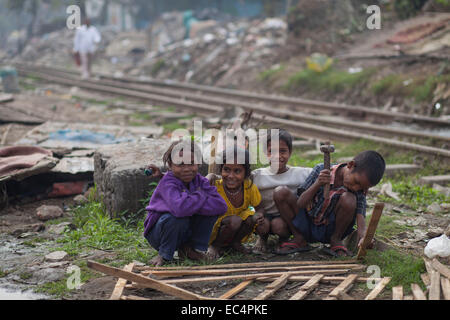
[60,228]
[434,232]
[36,227]
[443,190]
[419,221]
[80,199]
[48,212]
[434,208]
[119,172]
[56,256]
[48,275]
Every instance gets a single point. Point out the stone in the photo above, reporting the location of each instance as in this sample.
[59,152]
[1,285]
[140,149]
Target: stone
[56,256]
[447,231]
[48,275]
[46,212]
[35,227]
[80,199]
[60,228]
[434,232]
[434,208]
[442,190]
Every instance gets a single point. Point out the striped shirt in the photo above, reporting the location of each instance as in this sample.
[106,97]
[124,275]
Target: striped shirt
[318,199]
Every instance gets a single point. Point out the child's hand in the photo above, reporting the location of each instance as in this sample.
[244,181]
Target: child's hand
[212,177]
[369,246]
[324,177]
[156,171]
[259,217]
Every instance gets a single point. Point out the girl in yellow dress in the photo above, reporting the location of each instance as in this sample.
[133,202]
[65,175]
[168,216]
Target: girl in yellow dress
[239,192]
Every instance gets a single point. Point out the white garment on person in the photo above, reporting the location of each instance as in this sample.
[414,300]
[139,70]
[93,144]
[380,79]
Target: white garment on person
[86,39]
[85,65]
[266,181]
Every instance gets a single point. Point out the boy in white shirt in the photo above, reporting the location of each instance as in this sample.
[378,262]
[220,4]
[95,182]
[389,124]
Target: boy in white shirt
[273,186]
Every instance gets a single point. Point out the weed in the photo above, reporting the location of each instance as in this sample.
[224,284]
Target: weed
[157,67]
[269,74]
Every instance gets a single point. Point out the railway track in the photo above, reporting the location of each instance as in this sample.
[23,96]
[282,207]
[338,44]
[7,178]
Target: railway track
[301,124]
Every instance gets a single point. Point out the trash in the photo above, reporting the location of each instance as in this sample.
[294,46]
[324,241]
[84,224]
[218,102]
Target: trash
[319,62]
[386,189]
[439,246]
[62,189]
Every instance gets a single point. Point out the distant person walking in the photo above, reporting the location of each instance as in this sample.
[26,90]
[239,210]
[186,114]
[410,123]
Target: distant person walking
[84,46]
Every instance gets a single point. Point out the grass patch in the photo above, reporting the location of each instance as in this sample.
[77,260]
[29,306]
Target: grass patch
[331,80]
[3,273]
[269,74]
[25,275]
[404,269]
[157,67]
[388,228]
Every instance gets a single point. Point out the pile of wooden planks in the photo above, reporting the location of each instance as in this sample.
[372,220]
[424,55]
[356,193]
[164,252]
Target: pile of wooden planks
[308,274]
[437,277]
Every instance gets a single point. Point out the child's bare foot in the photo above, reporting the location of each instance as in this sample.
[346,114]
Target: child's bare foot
[239,247]
[260,245]
[213,253]
[157,261]
[190,253]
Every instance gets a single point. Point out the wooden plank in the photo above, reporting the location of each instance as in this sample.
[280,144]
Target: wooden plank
[439,267]
[417,292]
[118,289]
[273,287]
[378,288]
[425,279]
[376,215]
[310,285]
[131,297]
[344,285]
[397,293]
[234,291]
[187,272]
[343,296]
[445,283]
[409,297]
[435,286]
[392,169]
[151,283]
[255,276]
[435,179]
[253,264]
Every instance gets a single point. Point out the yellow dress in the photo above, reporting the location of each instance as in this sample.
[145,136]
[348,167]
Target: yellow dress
[252,197]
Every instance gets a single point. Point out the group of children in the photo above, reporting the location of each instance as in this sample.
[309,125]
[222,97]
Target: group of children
[202,217]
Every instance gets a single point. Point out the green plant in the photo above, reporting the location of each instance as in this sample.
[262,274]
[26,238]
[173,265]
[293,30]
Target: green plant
[408,8]
[157,67]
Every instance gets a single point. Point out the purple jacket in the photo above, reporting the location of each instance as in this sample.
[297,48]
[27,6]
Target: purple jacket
[171,195]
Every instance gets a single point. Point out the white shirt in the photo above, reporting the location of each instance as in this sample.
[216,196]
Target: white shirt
[266,181]
[86,39]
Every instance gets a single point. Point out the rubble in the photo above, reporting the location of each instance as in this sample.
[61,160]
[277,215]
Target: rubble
[56,256]
[48,212]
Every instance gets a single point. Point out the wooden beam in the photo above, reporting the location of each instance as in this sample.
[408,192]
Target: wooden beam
[378,288]
[417,292]
[118,289]
[344,285]
[425,279]
[187,272]
[131,297]
[443,270]
[435,286]
[151,283]
[234,291]
[376,215]
[309,286]
[253,264]
[445,283]
[397,293]
[273,287]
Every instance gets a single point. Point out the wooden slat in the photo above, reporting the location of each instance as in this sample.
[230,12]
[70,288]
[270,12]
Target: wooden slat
[417,292]
[445,283]
[234,291]
[256,275]
[310,285]
[344,285]
[273,287]
[443,270]
[409,297]
[435,286]
[376,215]
[378,288]
[118,289]
[187,272]
[151,283]
[425,279]
[397,293]
[254,264]
[131,297]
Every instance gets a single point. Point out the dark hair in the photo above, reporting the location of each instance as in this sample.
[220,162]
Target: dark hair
[237,154]
[185,145]
[283,135]
[372,164]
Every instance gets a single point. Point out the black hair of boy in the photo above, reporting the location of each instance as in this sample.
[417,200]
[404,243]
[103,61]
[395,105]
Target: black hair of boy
[283,135]
[372,164]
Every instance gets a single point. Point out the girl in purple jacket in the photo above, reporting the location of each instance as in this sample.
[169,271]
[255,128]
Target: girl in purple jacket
[183,209]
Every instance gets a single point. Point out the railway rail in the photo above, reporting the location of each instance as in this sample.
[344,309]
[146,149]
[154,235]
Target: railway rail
[301,124]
